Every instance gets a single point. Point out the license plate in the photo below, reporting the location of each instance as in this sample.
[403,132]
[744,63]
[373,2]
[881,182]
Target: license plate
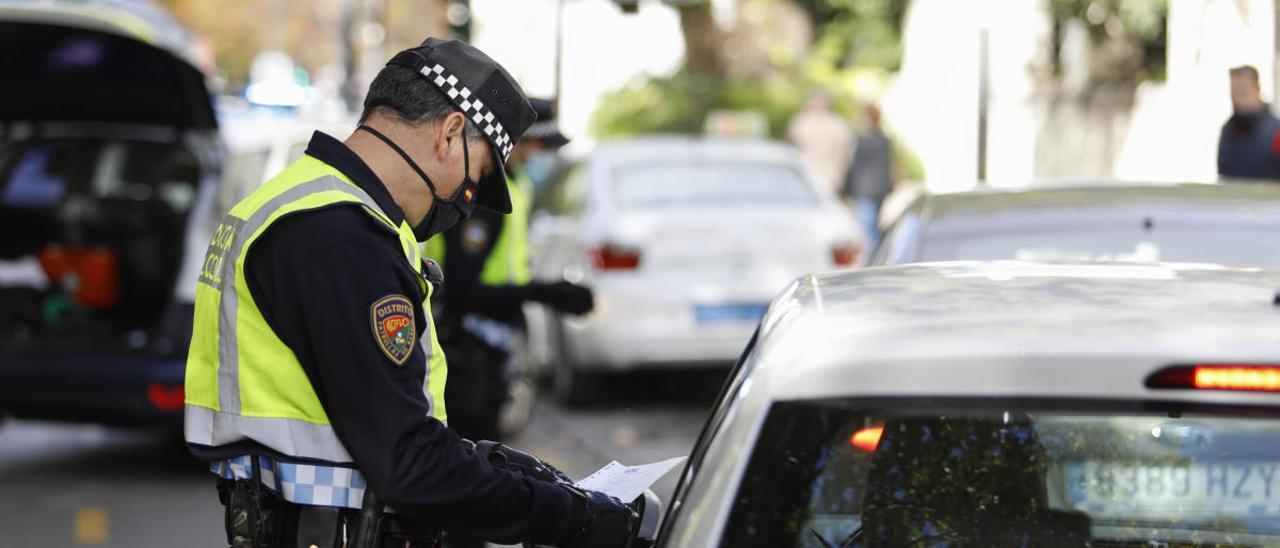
[1176,490]
[733,313]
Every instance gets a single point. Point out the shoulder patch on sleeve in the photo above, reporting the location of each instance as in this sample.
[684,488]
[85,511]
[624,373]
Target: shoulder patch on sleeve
[393,327]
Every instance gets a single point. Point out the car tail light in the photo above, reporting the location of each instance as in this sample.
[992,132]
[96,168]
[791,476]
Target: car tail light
[615,257]
[867,439]
[844,254]
[165,398]
[1255,378]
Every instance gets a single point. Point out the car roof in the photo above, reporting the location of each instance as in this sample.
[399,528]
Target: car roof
[683,148]
[1104,194]
[1012,328]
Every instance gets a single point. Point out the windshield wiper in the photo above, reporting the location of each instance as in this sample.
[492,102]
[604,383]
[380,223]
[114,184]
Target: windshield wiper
[853,537]
[846,543]
[825,543]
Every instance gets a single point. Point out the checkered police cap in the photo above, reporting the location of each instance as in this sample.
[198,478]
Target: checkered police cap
[485,93]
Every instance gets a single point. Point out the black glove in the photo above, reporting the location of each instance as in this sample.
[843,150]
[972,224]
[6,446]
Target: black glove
[563,296]
[519,462]
[599,521]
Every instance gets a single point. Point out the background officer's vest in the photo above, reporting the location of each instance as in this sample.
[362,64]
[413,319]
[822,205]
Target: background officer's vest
[508,261]
[243,382]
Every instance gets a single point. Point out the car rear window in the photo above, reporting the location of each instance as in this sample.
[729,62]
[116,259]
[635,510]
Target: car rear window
[1227,243]
[45,173]
[675,185]
[985,473]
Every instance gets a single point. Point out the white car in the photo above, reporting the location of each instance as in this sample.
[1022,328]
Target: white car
[998,404]
[684,241]
[1234,223]
[260,147]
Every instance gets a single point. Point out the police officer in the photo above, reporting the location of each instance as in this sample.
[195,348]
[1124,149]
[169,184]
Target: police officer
[315,382]
[486,261]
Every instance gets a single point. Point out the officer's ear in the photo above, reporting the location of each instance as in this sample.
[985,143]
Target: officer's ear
[447,131]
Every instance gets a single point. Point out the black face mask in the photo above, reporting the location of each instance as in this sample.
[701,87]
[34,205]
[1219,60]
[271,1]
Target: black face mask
[444,212]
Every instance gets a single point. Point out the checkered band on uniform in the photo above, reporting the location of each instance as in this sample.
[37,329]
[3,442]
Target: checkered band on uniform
[472,107]
[300,483]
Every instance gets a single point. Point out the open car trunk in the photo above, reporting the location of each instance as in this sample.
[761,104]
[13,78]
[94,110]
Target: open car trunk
[94,233]
[108,144]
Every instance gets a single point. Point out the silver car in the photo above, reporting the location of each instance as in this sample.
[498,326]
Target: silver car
[684,242]
[1229,223]
[998,404]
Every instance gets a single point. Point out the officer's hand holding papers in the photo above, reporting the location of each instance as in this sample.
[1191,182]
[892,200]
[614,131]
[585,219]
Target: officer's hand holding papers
[627,482]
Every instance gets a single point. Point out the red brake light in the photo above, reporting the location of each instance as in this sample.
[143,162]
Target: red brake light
[844,254]
[867,439]
[614,257]
[1263,378]
[166,399]
[1238,378]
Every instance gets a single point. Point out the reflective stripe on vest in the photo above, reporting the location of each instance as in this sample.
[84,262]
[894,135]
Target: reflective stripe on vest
[242,381]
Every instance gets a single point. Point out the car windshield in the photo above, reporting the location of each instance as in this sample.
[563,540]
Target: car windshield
[1218,241]
[966,473]
[679,185]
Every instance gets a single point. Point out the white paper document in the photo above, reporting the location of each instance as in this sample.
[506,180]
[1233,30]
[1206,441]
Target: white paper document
[627,482]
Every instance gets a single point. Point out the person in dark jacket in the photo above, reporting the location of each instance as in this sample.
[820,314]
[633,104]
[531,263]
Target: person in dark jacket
[871,176]
[1249,146]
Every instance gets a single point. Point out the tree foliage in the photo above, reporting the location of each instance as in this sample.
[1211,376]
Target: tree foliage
[1128,37]
[849,39]
[858,32]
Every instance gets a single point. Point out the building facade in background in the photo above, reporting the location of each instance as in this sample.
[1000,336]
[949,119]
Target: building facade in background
[1047,115]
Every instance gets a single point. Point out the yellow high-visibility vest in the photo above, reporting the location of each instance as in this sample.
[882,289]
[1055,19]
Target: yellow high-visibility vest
[242,381]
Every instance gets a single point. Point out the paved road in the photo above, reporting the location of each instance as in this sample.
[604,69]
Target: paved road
[64,485]
[71,485]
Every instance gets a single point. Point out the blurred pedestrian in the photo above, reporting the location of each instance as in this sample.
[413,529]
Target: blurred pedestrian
[1249,146]
[824,140]
[315,380]
[871,174]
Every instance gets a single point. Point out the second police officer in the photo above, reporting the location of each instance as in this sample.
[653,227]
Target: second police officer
[315,381]
[486,262]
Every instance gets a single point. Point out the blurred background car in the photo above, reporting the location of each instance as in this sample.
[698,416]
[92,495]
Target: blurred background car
[259,147]
[109,163]
[1051,405]
[683,241]
[1233,223]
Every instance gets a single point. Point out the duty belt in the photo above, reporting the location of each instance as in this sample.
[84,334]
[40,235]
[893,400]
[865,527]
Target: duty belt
[316,485]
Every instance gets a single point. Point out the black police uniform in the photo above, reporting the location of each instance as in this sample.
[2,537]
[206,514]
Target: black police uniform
[315,275]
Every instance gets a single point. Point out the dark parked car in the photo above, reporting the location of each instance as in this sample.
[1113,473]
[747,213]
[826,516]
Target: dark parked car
[109,166]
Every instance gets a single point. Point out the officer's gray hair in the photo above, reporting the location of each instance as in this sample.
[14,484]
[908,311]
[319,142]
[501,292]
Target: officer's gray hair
[403,94]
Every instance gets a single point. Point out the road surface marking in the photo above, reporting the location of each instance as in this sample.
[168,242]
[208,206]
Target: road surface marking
[92,525]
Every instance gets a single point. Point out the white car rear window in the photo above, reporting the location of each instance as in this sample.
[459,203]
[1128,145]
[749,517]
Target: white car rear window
[678,185]
[1213,241]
